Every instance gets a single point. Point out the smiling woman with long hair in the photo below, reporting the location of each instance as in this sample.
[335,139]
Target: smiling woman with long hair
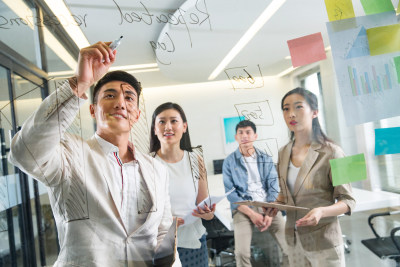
[170,143]
[305,178]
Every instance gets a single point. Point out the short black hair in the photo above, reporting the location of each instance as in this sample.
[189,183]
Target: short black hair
[117,75]
[246,123]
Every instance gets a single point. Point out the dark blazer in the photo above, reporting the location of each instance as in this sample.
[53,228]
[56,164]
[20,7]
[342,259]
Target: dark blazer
[313,188]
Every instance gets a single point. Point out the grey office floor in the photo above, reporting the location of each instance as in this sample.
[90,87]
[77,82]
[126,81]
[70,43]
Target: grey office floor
[356,228]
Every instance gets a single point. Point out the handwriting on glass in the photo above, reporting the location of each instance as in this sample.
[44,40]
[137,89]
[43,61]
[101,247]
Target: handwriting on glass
[241,77]
[180,17]
[258,112]
[268,146]
[29,20]
[166,46]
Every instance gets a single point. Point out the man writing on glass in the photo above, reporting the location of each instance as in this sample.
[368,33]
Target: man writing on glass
[110,202]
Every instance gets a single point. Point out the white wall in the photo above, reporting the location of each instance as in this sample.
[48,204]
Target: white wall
[206,103]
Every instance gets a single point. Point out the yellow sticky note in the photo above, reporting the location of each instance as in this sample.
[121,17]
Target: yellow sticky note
[383,40]
[339,9]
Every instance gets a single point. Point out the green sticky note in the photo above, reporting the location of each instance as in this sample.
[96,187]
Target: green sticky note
[377,6]
[397,65]
[348,169]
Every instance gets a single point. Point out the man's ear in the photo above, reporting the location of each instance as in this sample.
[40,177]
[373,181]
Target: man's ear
[237,138]
[92,111]
[135,116]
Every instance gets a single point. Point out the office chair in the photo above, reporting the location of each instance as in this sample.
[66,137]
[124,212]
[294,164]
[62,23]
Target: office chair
[384,247]
[222,242]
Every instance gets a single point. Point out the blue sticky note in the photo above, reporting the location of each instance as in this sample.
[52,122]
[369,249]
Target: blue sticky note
[387,141]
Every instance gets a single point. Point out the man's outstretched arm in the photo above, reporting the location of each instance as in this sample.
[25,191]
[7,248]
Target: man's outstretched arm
[36,148]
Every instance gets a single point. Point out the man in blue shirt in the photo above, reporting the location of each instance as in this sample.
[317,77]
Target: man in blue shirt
[252,173]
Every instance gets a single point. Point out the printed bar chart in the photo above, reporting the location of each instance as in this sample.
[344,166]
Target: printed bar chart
[370,81]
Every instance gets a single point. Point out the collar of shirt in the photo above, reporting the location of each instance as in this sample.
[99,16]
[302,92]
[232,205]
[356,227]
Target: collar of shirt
[108,148]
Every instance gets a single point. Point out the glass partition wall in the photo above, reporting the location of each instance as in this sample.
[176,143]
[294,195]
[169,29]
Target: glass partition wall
[28,51]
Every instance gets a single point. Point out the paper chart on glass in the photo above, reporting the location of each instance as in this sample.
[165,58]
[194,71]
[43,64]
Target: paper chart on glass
[210,200]
[271,205]
[368,85]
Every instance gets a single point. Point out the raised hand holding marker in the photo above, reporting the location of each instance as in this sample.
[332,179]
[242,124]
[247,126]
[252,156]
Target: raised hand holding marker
[116,43]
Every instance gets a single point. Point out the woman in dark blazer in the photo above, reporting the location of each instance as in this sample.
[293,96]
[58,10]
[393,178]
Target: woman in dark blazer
[305,177]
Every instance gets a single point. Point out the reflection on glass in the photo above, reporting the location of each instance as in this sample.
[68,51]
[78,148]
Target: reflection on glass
[58,58]
[5,118]
[18,20]
[43,225]
[10,238]
[27,97]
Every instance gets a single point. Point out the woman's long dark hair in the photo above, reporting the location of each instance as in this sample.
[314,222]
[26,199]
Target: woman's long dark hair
[154,142]
[317,134]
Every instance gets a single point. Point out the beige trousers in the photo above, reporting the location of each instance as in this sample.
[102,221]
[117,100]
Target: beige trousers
[243,233]
[332,257]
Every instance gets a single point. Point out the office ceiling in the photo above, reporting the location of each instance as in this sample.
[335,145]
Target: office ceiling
[206,31]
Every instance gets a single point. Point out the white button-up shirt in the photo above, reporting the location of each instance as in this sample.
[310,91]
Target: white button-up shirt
[127,178]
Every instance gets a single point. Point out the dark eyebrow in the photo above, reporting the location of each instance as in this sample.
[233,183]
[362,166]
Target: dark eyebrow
[129,92]
[126,91]
[163,118]
[298,102]
[111,90]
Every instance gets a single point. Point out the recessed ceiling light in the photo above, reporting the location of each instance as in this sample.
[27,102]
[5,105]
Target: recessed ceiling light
[271,9]
[59,9]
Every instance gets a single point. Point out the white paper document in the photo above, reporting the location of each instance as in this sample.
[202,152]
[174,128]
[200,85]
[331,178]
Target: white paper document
[209,201]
